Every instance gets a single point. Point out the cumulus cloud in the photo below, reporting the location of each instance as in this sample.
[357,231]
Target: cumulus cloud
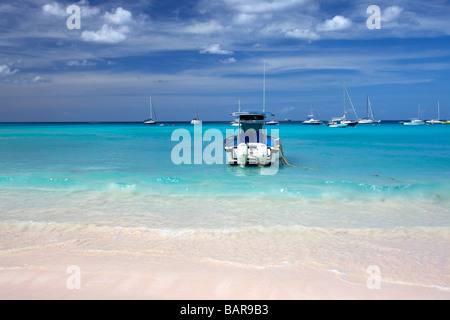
[215,49]
[338,23]
[5,70]
[106,34]
[54,9]
[120,18]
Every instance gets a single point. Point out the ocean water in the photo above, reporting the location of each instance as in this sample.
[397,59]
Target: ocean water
[374,190]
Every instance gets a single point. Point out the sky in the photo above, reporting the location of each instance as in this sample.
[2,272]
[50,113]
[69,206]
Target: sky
[209,55]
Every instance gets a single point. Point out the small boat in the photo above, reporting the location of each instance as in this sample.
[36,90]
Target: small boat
[369,119]
[337,123]
[252,145]
[415,121]
[439,116]
[196,120]
[342,122]
[310,119]
[272,123]
[152,112]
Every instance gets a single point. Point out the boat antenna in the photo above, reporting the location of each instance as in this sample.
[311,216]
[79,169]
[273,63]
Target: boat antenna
[264,88]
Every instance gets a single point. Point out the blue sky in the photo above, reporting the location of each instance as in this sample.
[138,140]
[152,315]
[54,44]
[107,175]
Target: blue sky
[210,54]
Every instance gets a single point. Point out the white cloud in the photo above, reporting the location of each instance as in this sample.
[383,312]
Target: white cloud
[84,63]
[215,49]
[204,27]
[106,34]
[391,13]
[262,6]
[54,9]
[6,70]
[304,34]
[336,24]
[229,60]
[119,17]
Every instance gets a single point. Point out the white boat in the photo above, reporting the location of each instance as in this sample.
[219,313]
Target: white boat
[415,121]
[369,119]
[342,122]
[151,121]
[439,116]
[310,119]
[252,145]
[272,123]
[196,120]
[337,123]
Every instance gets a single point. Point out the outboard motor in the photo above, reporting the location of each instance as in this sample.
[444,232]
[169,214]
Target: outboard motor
[242,154]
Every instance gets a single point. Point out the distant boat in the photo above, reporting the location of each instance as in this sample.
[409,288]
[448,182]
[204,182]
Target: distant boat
[337,123]
[152,112]
[369,119]
[311,120]
[438,119]
[196,120]
[342,122]
[272,123]
[415,121]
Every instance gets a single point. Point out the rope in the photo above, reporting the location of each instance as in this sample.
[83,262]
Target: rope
[285,162]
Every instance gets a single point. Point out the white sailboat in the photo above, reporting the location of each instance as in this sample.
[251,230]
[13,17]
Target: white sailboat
[369,119]
[415,121]
[342,122]
[311,120]
[151,121]
[438,118]
[350,123]
[196,120]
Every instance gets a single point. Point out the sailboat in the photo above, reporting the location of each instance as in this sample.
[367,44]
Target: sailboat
[152,112]
[196,120]
[439,117]
[342,122]
[415,121]
[350,123]
[311,120]
[369,119]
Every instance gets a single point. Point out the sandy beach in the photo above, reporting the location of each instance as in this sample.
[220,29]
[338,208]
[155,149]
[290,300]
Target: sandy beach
[121,265]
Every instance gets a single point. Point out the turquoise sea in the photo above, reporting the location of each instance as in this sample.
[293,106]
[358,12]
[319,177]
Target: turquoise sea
[386,181]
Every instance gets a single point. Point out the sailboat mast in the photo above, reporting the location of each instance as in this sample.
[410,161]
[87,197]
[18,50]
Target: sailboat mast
[345,102]
[439,111]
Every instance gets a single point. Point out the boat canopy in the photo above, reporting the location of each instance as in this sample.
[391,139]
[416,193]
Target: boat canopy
[255,120]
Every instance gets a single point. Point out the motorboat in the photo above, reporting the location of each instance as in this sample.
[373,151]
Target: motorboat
[251,145]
